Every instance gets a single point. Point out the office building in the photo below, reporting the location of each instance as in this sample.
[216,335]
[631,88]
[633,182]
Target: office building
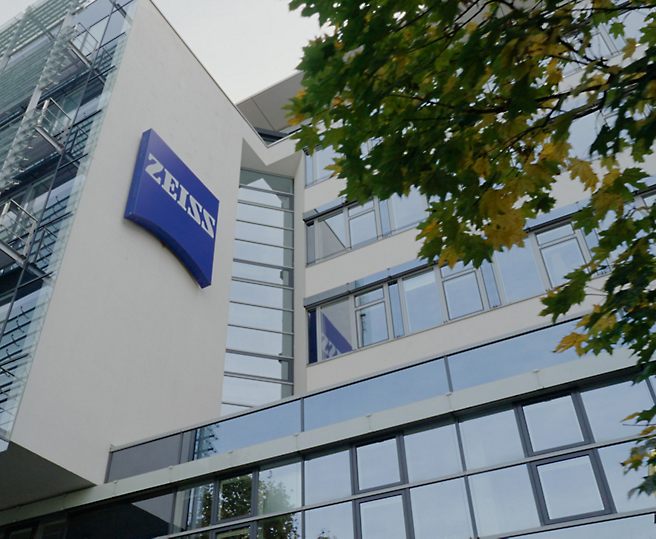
[202,339]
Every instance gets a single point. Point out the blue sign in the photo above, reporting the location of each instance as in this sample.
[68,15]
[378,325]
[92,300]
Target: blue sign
[168,200]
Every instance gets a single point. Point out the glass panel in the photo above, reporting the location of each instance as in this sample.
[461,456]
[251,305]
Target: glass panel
[324,158]
[376,394]
[432,453]
[363,229]
[309,243]
[356,210]
[621,483]
[117,25]
[490,285]
[606,407]
[554,234]
[385,223]
[561,259]
[262,342]
[266,181]
[265,254]
[257,366]
[332,522]
[253,392]
[372,324]
[261,317]
[313,354]
[262,273]
[279,488]
[264,234]
[519,273]
[284,527]
[270,199]
[441,511]
[235,495]
[243,533]
[552,423]
[570,488]
[397,314]
[368,297]
[327,478]
[331,235]
[143,458]
[408,210]
[491,439]
[582,134]
[462,295]
[265,216]
[383,518]
[458,267]
[256,294]
[228,409]
[336,332]
[503,501]
[636,528]
[193,507]
[422,302]
[378,464]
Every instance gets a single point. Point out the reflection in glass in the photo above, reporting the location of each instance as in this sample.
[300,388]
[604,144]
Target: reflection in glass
[606,407]
[462,295]
[383,518]
[193,507]
[243,533]
[422,302]
[327,478]
[552,423]
[408,210]
[336,332]
[279,488]
[570,488]
[432,453]
[283,527]
[266,181]
[332,522]
[372,324]
[368,297]
[395,306]
[519,273]
[441,511]
[268,199]
[561,259]
[503,501]
[554,234]
[641,527]
[362,229]
[235,496]
[332,235]
[491,439]
[378,464]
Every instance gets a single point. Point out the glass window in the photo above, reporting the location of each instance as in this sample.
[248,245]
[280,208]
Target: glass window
[372,324]
[363,229]
[554,234]
[324,158]
[327,478]
[462,295]
[369,297]
[257,294]
[641,527]
[262,273]
[249,392]
[441,511]
[332,235]
[193,507]
[570,488]
[552,423]
[407,210]
[397,314]
[267,182]
[235,495]
[491,439]
[261,317]
[519,273]
[383,518]
[265,216]
[283,527]
[264,234]
[243,533]
[332,522]
[606,407]
[260,342]
[422,302]
[432,453]
[336,332]
[378,464]
[258,366]
[279,488]
[265,254]
[503,501]
[561,259]
[269,199]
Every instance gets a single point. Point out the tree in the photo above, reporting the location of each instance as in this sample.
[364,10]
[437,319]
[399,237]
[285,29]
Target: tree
[471,102]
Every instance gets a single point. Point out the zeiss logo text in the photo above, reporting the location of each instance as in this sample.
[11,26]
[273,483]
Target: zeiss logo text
[168,199]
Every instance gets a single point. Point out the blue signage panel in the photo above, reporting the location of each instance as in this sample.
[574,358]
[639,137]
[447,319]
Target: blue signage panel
[167,199]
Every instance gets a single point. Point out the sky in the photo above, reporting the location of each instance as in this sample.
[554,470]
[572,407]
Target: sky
[246,45]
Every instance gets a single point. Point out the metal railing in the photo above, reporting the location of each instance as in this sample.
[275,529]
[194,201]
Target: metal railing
[84,42]
[17,227]
[54,121]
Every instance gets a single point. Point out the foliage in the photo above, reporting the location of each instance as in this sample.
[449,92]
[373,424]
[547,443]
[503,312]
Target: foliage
[472,103]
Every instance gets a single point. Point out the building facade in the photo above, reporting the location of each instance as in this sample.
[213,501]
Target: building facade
[327,384]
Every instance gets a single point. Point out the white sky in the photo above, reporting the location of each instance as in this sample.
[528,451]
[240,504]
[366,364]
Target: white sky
[247,45]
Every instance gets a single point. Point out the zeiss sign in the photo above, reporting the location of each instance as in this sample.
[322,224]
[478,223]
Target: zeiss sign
[167,199]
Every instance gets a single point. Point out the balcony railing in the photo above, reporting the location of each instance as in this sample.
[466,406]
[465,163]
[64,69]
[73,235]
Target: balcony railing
[17,227]
[53,122]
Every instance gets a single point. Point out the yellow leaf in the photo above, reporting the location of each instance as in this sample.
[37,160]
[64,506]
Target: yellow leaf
[554,72]
[632,416]
[482,167]
[506,229]
[573,340]
[629,48]
[607,201]
[471,27]
[448,257]
[556,151]
[583,170]
[610,178]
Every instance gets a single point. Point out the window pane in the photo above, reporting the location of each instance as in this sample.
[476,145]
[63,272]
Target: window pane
[372,323]
[408,210]
[264,234]
[570,488]
[257,294]
[422,302]
[244,533]
[432,453]
[383,519]
[378,464]
[265,254]
[441,511]
[266,181]
[258,366]
[491,439]
[462,295]
[554,234]
[561,259]
[327,478]
[368,297]
[334,522]
[252,392]
[284,527]
[336,332]
[357,210]
[279,488]
[606,407]
[634,528]
[332,235]
[259,342]
[260,317]
[519,273]
[621,483]
[552,423]
[362,229]
[395,304]
[265,216]
[193,507]
[270,199]
[235,495]
[503,501]
[262,273]
[324,158]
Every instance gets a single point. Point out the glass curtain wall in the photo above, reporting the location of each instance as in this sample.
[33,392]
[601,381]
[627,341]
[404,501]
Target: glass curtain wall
[258,362]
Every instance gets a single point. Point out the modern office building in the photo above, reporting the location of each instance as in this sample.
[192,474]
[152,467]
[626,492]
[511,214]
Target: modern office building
[201,339]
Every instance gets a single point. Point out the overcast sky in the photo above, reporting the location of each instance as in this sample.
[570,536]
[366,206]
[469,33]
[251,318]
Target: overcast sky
[247,45]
